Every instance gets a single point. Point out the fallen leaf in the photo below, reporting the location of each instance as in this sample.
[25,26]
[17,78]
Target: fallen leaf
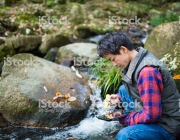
[176,77]
[58,93]
[45,88]
[71,99]
[66,96]
[25,70]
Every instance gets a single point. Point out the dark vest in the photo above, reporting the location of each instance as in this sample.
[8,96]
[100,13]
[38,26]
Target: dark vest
[170,119]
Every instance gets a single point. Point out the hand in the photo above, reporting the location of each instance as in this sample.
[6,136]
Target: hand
[117,113]
[113,99]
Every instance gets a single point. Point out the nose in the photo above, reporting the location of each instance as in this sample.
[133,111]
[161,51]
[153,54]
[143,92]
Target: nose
[114,63]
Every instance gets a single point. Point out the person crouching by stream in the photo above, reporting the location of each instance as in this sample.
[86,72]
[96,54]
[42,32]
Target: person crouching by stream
[147,80]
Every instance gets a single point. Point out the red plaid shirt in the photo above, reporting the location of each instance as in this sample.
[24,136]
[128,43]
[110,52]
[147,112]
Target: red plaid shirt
[150,86]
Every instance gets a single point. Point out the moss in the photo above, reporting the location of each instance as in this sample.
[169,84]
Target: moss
[163,18]
[2,55]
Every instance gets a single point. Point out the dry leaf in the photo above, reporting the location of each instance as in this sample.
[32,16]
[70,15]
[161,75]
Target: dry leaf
[57,99]
[66,96]
[25,70]
[78,75]
[176,77]
[45,88]
[58,93]
[71,99]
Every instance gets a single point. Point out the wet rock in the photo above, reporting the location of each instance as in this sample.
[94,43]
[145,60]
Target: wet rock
[67,63]
[85,32]
[6,51]
[51,55]
[163,39]
[52,41]
[3,122]
[23,43]
[2,40]
[80,53]
[24,100]
[94,39]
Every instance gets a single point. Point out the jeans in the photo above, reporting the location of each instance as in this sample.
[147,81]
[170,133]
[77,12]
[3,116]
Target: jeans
[126,100]
[150,131]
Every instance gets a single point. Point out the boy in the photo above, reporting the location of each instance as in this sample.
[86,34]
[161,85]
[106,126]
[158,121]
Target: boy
[148,81]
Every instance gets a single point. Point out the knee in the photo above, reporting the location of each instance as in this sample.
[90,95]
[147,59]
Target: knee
[122,134]
[122,87]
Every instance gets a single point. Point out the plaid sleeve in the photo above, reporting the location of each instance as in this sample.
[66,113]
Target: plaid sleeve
[150,86]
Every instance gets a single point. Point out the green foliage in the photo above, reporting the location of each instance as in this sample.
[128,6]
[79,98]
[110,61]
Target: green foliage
[107,75]
[163,18]
[51,3]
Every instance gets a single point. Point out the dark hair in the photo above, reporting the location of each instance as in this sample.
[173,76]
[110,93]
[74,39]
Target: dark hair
[111,43]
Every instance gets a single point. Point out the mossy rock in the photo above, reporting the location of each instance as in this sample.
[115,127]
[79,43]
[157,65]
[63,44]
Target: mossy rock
[163,38]
[172,59]
[21,98]
[54,40]
[6,51]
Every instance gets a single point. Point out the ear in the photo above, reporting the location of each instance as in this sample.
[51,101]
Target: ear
[123,49]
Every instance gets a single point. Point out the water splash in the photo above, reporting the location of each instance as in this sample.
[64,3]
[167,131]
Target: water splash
[90,127]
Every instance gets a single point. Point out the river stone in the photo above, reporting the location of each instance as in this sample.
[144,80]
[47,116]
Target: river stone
[23,94]
[3,122]
[24,43]
[51,55]
[163,38]
[52,41]
[78,52]
[172,61]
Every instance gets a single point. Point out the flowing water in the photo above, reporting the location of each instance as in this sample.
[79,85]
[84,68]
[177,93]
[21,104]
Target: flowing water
[91,127]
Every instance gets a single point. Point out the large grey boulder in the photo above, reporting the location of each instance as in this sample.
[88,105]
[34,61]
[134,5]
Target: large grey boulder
[163,38]
[164,43]
[24,43]
[27,88]
[52,41]
[78,52]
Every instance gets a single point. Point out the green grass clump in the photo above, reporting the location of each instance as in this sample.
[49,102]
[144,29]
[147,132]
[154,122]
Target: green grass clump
[108,76]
